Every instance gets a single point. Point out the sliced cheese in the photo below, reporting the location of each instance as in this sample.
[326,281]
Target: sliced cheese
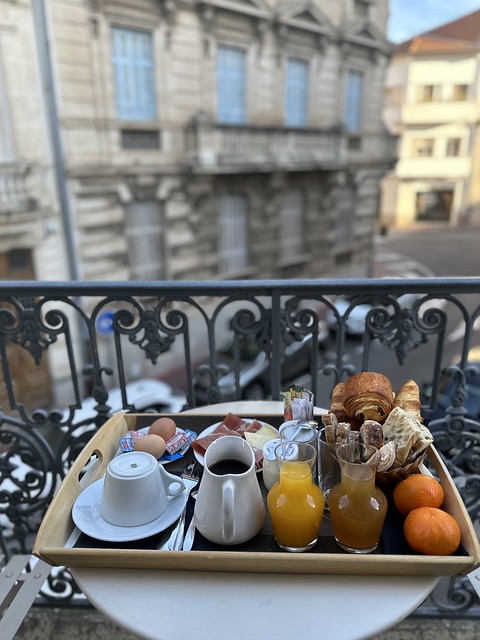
[266,429]
[261,437]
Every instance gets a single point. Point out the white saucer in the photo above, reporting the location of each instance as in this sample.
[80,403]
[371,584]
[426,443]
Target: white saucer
[86,516]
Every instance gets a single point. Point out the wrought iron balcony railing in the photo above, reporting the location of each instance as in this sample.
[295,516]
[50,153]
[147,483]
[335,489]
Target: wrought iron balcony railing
[60,342]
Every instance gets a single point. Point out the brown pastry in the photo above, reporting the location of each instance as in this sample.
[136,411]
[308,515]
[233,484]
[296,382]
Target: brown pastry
[341,433]
[371,433]
[329,419]
[336,405]
[408,399]
[337,408]
[330,431]
[368,396]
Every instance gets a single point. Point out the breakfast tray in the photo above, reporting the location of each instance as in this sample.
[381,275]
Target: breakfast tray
[59,542]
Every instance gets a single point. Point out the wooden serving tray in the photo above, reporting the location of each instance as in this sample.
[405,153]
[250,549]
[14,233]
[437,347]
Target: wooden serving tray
[57,533]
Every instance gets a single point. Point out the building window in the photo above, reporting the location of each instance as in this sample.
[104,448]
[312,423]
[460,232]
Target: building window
[296,93]
[429,93]
[147,140]
[132,60]
[361,8]
[422,147]
[144,232]
[233,236]
[231,91]
[292,225]
[453,147]
[460,92]
[433,205]
[353,101]
[345,211]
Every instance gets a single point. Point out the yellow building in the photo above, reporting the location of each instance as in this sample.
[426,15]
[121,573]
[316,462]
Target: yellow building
[433,104]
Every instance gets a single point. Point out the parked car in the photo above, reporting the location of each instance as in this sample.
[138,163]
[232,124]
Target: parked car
[355,325]
[447,387]
[254,376]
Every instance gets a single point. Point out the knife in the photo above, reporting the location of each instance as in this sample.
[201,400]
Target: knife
[189,536]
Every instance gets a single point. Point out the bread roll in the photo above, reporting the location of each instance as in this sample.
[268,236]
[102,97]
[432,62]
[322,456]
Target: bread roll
[371,433]
[368,396]
[408,399]
[387,456]
[411,437]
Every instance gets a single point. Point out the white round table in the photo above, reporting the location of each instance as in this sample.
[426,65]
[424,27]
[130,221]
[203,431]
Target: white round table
[178,605]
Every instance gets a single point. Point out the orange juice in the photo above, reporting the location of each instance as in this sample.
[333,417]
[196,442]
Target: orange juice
[295,506]
[357,510]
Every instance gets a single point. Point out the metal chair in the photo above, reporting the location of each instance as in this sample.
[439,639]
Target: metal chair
[19,586]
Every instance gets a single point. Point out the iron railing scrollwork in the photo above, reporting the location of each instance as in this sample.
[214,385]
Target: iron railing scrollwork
[158,328]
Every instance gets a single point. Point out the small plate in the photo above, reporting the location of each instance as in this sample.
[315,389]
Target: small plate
[206,432]
[86,516]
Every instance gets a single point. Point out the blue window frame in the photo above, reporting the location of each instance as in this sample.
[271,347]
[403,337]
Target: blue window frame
[231,90]
[296,93]
[353,100]
[132,60]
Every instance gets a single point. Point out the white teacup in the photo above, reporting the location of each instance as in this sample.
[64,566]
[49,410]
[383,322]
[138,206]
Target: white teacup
[136,489]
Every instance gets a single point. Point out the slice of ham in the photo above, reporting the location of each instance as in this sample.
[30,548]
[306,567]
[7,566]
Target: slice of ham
[232,425]
[234,422]
[258,457]
[200,445]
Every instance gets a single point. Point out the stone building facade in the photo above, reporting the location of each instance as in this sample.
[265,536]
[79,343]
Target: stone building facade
[432,104]
[195,139]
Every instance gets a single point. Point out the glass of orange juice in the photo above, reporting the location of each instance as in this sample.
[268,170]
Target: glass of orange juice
[295,503]
[357,506]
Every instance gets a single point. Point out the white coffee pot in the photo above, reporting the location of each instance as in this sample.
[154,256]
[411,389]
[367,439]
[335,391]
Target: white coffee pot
[229,508]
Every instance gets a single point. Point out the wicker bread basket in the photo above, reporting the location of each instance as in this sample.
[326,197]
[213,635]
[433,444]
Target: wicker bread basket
[387,480]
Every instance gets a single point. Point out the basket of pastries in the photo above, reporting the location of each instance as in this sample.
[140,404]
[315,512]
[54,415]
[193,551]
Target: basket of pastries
[366,409]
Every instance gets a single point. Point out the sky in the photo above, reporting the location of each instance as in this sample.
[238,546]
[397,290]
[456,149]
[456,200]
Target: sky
[408,18]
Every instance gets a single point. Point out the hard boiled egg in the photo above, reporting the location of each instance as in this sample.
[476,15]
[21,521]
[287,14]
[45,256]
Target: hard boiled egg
[164,427]
[151,443]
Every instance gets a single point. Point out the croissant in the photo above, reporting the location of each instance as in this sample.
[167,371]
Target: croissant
[408,399]
[337,408]
[368,396]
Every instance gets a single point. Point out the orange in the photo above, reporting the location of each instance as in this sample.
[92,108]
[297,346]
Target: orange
[432,531]
[417,491]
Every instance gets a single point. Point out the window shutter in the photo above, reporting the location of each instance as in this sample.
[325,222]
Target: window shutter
[292,225]
[353,100]
[296,89]
[132,60]
[144,231]
[345,214]
[231,85]
[232,233]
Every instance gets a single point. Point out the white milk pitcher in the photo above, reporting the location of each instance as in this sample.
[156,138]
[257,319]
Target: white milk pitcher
[229,507]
